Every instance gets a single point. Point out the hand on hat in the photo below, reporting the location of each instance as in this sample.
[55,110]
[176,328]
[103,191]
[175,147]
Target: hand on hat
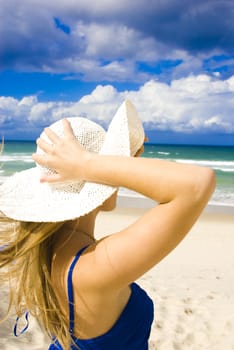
[61,155]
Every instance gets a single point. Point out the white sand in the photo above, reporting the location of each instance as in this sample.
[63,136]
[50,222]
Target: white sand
[193,289]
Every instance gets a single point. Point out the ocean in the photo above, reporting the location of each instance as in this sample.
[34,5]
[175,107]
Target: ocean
[16,156]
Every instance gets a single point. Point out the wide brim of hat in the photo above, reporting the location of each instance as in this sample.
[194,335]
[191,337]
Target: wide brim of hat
[26,199]
[23,197]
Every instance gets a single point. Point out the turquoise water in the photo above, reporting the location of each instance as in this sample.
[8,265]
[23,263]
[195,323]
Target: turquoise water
[221,159]
[17,156]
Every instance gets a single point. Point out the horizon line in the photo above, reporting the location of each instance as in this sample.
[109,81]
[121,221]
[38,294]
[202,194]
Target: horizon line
[147,143]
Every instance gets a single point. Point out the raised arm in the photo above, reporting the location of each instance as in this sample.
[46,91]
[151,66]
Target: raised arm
[181,190]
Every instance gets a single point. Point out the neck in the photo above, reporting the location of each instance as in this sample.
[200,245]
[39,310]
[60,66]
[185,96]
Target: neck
[83,226]
[86,223]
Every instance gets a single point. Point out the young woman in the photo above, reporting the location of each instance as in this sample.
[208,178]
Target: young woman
[82,290]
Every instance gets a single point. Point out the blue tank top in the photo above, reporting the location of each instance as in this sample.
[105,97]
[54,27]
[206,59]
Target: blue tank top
[130,332]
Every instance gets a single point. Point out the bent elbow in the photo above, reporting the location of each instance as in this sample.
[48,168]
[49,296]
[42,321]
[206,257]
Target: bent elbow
[205,186]
[210,181]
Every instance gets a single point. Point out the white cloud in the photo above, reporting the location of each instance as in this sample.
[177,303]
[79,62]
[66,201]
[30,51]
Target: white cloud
[112,40]
[109,38]
[193,104]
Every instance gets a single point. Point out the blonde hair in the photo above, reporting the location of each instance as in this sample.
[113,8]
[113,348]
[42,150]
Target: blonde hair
[25,263]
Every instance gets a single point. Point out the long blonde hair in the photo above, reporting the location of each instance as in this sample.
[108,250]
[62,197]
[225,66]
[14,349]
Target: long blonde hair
[25,263]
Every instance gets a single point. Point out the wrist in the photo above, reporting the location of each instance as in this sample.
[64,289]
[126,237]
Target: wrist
[88,166]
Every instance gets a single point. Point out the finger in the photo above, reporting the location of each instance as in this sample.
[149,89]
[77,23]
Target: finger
[52,178]
[44,146]
[68,131]
[40,159]
[51,135]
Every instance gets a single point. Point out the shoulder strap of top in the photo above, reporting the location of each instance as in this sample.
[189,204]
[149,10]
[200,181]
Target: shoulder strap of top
[16,333]
[70,290]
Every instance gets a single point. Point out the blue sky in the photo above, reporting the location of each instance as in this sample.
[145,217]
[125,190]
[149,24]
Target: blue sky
[173,59]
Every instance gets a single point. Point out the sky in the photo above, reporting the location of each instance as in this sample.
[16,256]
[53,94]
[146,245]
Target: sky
[173,59]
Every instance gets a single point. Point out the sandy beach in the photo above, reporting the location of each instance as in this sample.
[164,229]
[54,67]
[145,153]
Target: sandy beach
[192,288]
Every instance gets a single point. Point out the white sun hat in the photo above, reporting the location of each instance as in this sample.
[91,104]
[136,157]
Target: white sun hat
[24,198]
